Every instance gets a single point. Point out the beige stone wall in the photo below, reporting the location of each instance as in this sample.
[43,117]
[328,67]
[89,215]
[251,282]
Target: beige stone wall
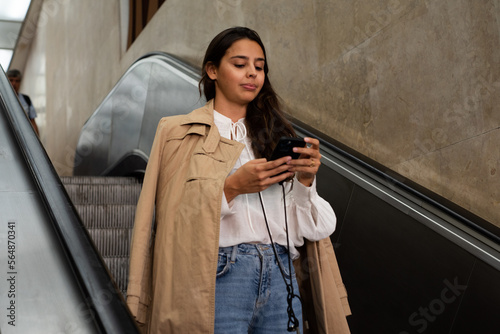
[413,84]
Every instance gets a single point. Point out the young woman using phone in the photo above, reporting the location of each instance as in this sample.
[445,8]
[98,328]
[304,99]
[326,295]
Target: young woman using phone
[216,258]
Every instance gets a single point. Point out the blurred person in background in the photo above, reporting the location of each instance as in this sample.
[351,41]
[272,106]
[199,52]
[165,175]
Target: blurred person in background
[15,78]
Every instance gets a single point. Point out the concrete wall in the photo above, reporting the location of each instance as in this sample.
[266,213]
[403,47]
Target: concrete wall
[413,84]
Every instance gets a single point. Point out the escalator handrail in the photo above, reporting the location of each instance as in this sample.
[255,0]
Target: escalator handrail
[467,219]
[110,315]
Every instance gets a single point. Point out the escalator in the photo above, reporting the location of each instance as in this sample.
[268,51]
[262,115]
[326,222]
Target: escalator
[412,262]
[53,280]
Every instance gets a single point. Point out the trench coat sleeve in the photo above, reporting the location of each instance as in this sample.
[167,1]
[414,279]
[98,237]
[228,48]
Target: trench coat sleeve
[324,294]
[139,284]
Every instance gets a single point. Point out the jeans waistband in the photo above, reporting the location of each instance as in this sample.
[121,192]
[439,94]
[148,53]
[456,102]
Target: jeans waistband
[254,249]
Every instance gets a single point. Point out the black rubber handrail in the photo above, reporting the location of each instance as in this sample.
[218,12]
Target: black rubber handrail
[479,225]
[103,298]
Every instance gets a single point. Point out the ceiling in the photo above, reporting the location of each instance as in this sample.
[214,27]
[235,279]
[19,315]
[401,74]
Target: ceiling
[12,14]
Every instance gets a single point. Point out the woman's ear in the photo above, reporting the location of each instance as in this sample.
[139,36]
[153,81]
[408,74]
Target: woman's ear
[211,70]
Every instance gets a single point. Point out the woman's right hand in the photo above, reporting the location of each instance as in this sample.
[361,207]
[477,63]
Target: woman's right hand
[256,175]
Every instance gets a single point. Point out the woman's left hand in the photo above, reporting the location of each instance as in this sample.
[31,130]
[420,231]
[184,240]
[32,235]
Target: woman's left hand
[306,166]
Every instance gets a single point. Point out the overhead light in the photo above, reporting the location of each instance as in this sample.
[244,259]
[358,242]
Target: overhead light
[12,15]
[13,10]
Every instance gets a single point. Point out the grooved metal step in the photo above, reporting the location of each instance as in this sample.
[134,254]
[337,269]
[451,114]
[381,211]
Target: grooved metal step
[102,193]
[107,206]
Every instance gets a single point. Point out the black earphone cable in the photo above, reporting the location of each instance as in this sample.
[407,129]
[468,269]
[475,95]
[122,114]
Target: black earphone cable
[293,322]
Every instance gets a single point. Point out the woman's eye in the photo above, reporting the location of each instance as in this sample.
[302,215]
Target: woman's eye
[258,68]
[239,65]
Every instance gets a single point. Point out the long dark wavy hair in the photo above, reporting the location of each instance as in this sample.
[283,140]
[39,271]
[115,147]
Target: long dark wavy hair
[265,120]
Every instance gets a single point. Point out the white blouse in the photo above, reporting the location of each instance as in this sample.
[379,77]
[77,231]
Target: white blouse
[242,220]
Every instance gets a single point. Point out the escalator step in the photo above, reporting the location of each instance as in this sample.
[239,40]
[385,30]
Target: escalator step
[103,193]
[112,242]
[107,215]
[98,180]
[106,206]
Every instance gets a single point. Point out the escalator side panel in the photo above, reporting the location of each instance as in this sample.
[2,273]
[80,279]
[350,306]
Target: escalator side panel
[37,284]
[416,274]
[95,142]
[128,103]
[337,190]
[38,292]
[170,93]
[122,128]
[480,305]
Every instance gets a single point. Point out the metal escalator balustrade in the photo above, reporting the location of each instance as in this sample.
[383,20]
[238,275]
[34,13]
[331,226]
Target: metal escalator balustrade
[116,139]
[52,280]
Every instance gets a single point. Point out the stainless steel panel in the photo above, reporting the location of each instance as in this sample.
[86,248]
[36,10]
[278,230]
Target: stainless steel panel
[95,141]
[170,92]
[128,100]
[38,291]
[125,123]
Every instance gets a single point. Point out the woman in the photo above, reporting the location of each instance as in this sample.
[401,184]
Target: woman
[223,240]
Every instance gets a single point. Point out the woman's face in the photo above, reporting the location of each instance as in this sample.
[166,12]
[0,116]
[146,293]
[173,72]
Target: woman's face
[240,75]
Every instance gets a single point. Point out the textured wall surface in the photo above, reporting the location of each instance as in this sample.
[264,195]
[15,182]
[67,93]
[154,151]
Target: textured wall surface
[412,84]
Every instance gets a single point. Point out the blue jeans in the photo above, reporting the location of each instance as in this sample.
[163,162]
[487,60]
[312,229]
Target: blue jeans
[250,293]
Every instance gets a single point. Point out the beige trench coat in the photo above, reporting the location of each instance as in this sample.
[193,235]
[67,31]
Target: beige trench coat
[175,240]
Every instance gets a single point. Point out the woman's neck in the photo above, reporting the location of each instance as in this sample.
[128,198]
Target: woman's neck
[232,110]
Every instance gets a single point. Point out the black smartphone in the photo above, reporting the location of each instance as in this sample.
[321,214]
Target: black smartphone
[285,147]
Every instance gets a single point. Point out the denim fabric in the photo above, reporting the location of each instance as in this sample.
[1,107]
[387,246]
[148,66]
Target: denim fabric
[250,293]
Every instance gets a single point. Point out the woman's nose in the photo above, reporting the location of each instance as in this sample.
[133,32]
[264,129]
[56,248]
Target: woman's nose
[252,72]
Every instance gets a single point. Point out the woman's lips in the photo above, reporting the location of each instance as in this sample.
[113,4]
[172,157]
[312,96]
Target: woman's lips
[249,86]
